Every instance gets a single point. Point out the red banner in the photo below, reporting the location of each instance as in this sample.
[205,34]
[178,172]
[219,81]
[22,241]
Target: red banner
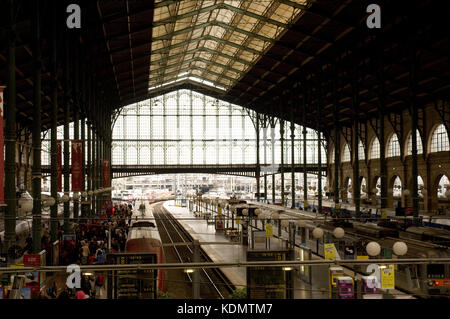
[76,165]
[59,164]
[106,174]
[2,151]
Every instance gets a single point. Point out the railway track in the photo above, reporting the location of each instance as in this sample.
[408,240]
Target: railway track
[213,283]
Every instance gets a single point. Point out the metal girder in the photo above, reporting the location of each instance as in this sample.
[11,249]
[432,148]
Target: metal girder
[212,24]
[222,6]
[208,37]
[147,28]
[121,15]
[314,12]
[193,68]
[200,59]
[135,46]
[200,49]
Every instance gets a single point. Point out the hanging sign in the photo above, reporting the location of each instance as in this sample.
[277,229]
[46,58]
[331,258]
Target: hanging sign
[76,165]
[329,251]
[106,174]
[269,230]
[2,155]
[388,277]
[59,164]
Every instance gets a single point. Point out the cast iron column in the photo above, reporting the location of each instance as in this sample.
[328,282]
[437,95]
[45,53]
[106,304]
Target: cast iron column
[292,156]
[305,172]
[54,133]
[265,158]
[414,118]
[272,140]
[337,147]
[36,172]
[258,166]
[356,186]
[282,159]
[10,133]
[66,137]
[383,168]
[319,148]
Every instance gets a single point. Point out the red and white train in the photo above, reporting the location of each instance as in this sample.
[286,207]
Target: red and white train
[143,237]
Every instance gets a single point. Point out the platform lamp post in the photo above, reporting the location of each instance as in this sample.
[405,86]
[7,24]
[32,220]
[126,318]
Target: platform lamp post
[301,224]
[244,224]
[317,234]
[257,212]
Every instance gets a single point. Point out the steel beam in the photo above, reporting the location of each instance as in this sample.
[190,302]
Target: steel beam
[10,132]
[36,171]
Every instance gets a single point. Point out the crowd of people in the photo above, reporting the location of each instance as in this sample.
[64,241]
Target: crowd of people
[89,246]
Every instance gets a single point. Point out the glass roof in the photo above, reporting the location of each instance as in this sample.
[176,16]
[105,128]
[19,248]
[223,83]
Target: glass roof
[214,42]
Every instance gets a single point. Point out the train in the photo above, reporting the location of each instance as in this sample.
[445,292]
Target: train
[143,237]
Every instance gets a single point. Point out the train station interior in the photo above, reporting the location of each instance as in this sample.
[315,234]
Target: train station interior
[224,149]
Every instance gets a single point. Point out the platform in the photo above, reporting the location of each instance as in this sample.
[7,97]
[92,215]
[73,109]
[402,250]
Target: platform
[199,229]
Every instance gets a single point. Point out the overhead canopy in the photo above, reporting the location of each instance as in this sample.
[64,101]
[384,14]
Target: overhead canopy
[264,55]
[214,42]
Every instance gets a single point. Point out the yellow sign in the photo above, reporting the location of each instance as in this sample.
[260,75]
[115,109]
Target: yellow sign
[269,230]
[238,220]
[388,277]
[219,211]
[329,251]
[337,206]
[362,257]
[383,213]
[305,204]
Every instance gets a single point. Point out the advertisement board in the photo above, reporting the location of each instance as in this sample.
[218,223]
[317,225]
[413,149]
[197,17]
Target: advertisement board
[388,277]
[106,173]
[329,251]
[59,165]
[76,165]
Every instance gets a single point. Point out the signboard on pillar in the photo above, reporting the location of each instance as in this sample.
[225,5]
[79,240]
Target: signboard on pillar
[106,173]
[2,155]
[76,165]
[59,165]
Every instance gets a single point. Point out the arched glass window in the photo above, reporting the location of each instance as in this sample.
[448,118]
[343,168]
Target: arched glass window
[144,156]
[117,155]
[375,149]
[393,146]
[419,144]
[361,154]
[132,156]
[346,154]
[439,140]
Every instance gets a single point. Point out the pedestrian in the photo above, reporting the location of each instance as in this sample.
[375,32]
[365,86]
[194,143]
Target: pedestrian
[85,254]
[98,284]
[99,256]
[52,291]
[80,294]
[29,244]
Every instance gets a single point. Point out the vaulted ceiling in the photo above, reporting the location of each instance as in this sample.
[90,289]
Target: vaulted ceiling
[270,56]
